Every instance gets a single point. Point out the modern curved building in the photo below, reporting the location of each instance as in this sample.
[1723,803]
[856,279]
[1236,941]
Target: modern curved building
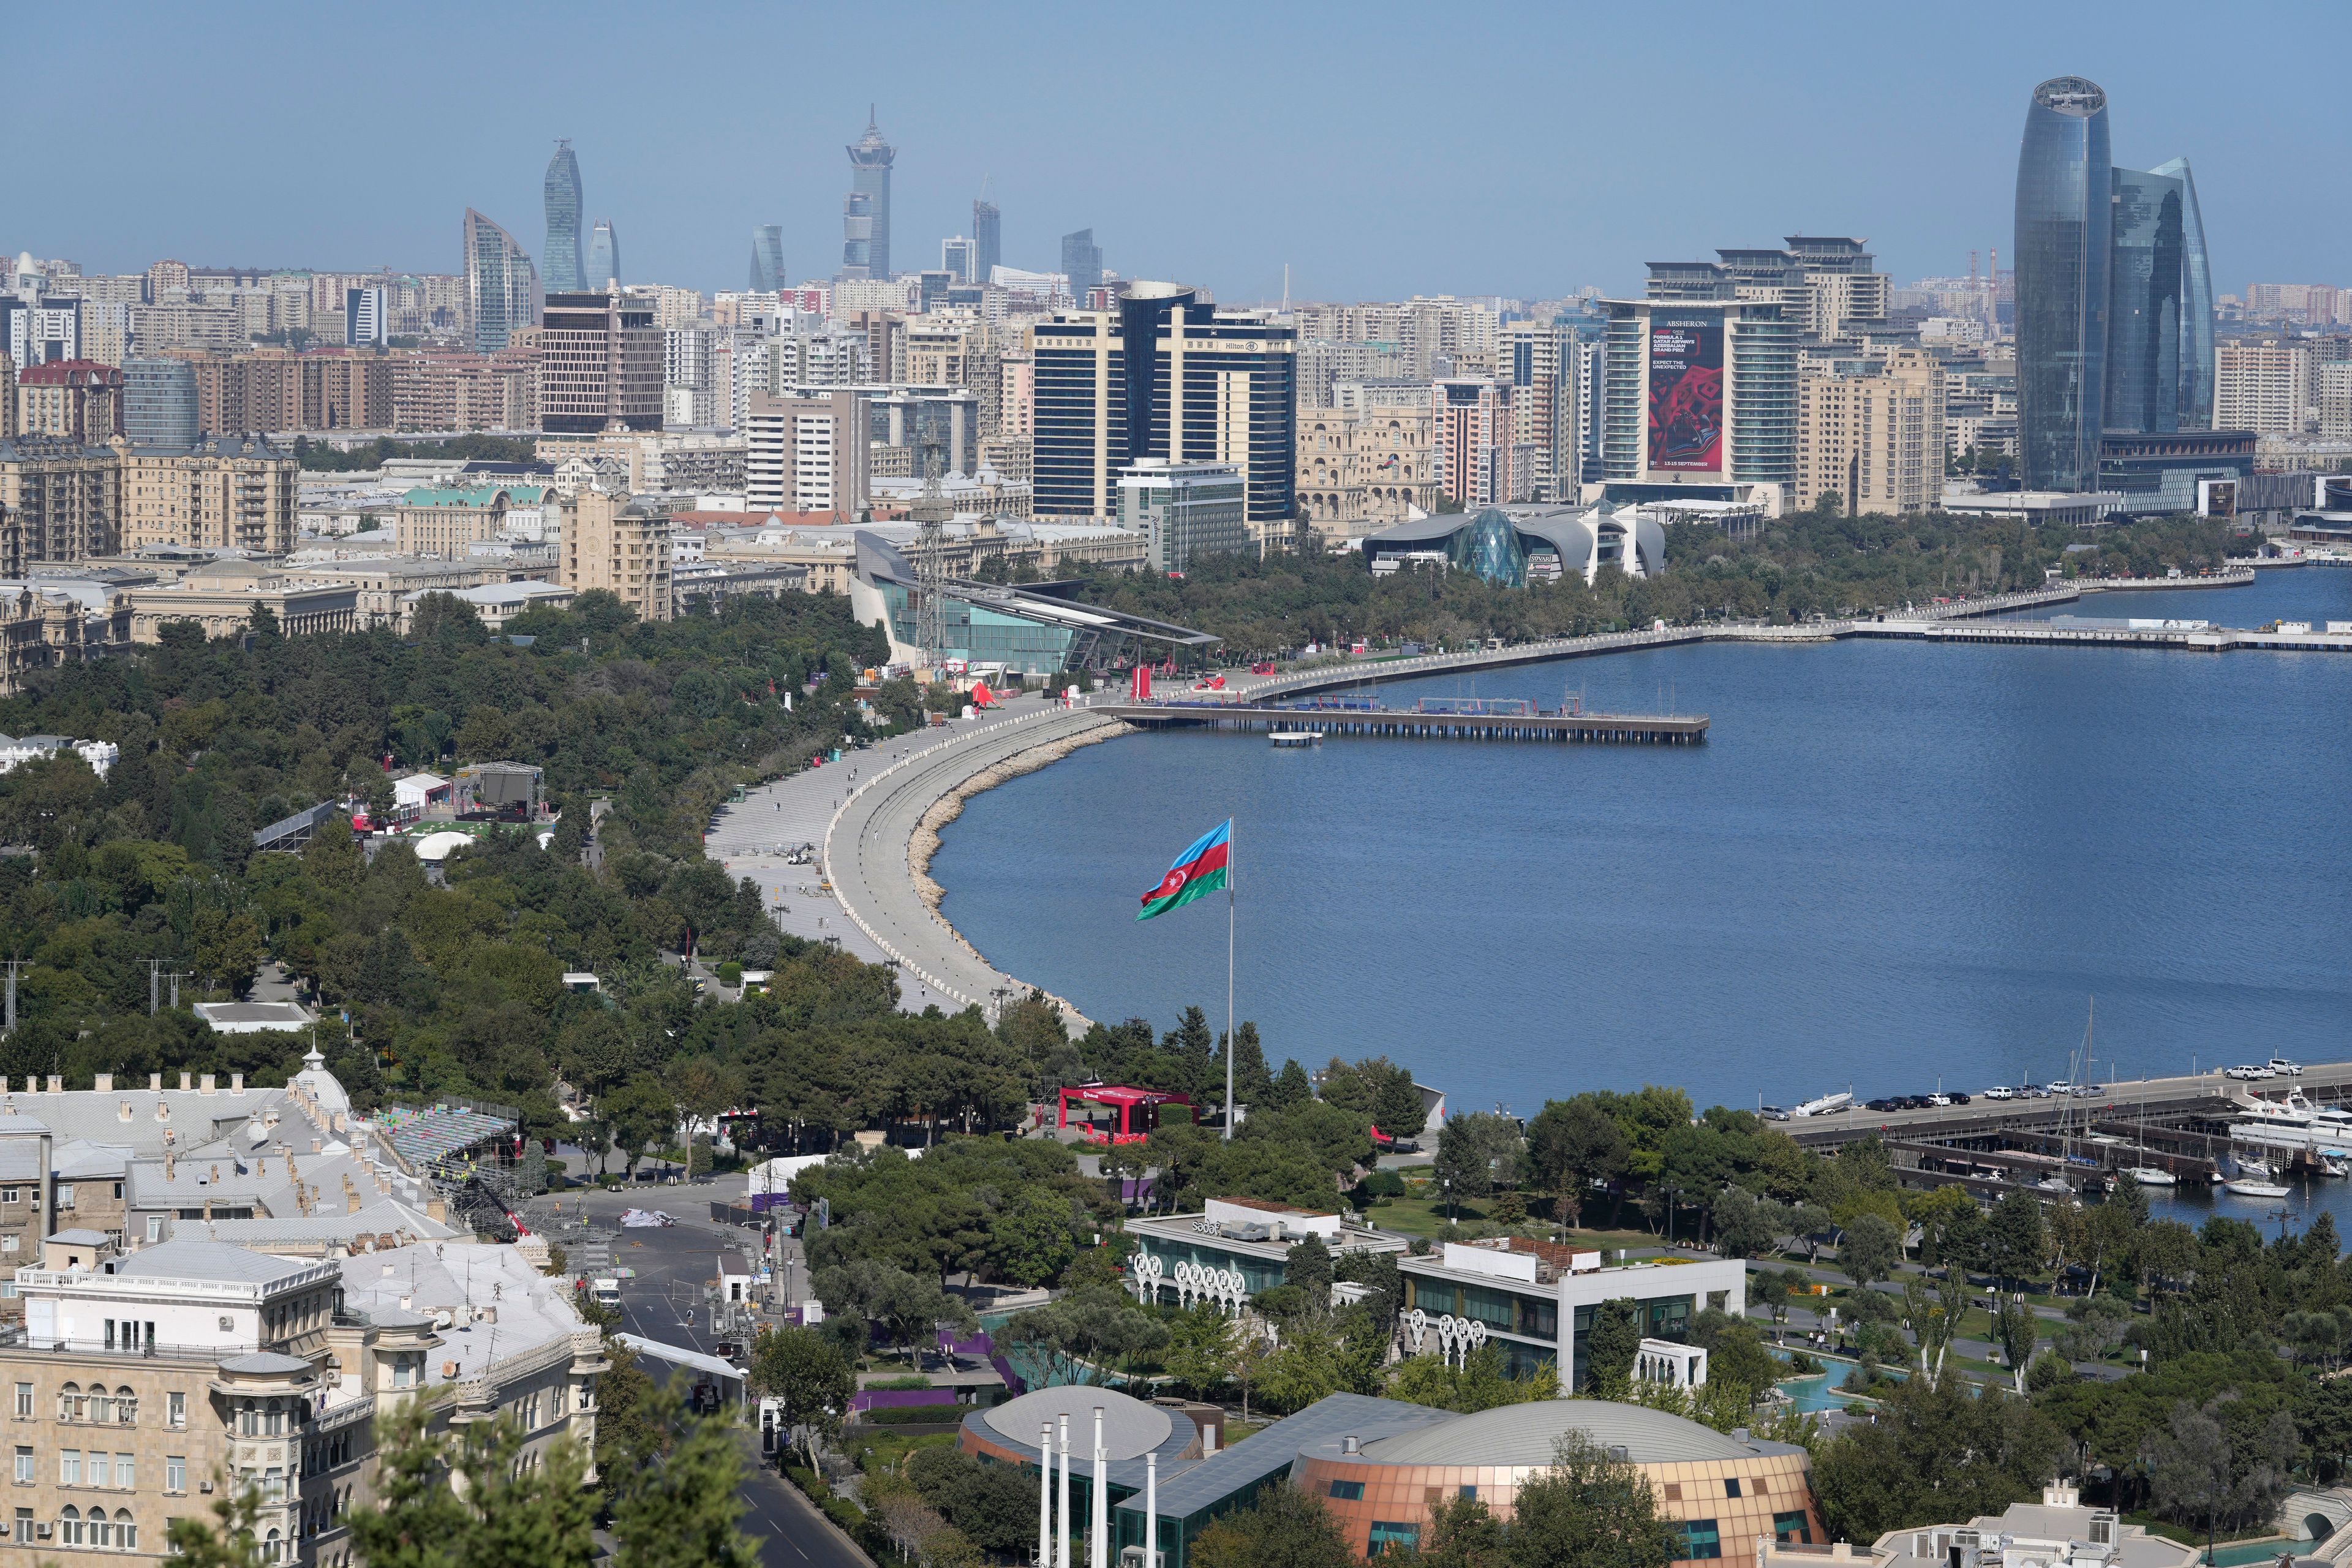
[502,289]
[2196,400]
[1512,546]
[767,258]
[2064,183]
[603,255]
[1720,1494]
[564,205]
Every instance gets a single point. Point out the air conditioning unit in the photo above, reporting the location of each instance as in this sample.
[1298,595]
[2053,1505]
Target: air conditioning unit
[334,1377]
[2103,1530]
[42,1530]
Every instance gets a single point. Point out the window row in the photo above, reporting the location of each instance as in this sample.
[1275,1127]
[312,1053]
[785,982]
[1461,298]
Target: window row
[116,1532]
[99,1467]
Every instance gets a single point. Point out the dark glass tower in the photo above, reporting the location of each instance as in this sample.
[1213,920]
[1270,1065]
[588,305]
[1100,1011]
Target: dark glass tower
[2064,183]
[767,258]
[564,268]
[2196,305]
[603,255]
[987,247]
[1082,262]
[2145,277]
[870,158]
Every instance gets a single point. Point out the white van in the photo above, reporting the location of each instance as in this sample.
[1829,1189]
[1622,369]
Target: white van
[608,1292]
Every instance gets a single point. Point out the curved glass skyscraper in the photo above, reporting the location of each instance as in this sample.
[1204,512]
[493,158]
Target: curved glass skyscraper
[767,258]
[2063,178]
[2145,321]
[603,255]
[563,255]
[2196,305]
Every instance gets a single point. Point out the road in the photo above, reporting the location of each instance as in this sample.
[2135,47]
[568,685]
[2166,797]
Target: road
[673,1265]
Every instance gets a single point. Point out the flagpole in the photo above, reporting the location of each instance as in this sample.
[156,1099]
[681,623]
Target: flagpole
[1230,1041]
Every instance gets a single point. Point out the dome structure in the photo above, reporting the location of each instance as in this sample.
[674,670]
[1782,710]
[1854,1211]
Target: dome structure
[1132,1428]
[1489,546]
[1526,1435]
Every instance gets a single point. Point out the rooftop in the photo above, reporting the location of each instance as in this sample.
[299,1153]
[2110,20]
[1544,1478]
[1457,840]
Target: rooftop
[207,1261]
[1529,1434]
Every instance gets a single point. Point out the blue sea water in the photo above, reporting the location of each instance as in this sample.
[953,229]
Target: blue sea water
[1891,866]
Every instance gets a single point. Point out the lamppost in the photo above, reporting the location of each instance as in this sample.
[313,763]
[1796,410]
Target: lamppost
[1446,1184]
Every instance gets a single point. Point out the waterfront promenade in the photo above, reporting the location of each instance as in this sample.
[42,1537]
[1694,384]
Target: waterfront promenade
[863,816]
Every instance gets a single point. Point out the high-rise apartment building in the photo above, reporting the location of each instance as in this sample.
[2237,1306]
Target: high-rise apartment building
[502,290]
[1082,263]
[1365,468]
[987,241]
[1699,392]
[1871,432]
[807,451]
[767,258]
[1473,453]
[75,400]
[38,329]
[2264,386]
[1539,359]
[2064,231]
[226,492]
[565,274]
[1164,375]
[1591,376]
[1843,293]
[274,389]
[159,403]
[603,255]
[866,214]
[599,364]
[622,546]
[58,501]
[956,260]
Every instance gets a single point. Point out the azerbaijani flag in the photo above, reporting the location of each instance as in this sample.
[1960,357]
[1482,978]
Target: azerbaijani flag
[1200,869]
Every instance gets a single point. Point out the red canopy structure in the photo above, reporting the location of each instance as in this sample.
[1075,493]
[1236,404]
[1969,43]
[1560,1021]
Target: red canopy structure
[1138,1110]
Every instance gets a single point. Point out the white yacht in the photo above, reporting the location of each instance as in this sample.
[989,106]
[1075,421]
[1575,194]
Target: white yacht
[2150,1176]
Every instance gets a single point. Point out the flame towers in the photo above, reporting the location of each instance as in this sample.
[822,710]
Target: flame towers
[2064,233]
[563,253]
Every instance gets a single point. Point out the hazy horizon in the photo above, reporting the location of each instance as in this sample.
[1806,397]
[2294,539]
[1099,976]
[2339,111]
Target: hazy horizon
[1378,150]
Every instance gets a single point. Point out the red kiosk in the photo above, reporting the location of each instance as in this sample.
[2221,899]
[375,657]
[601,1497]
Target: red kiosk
[1138,1110]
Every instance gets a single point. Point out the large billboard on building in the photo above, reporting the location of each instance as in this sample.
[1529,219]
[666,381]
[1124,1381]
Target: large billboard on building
[1687,391]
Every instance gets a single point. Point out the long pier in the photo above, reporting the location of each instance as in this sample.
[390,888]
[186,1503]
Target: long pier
[1606,729]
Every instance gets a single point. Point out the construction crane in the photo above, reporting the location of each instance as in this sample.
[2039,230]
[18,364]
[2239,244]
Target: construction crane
[930,516]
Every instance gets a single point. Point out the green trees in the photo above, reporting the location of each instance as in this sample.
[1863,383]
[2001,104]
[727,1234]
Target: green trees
[907,1308]
[1939,1451]
[1574,1145]
[1285,1528]
[1615,1340]
[1090,1336]
[1869,1250]
[808,1372]
[1200,1350]
[1478,1151]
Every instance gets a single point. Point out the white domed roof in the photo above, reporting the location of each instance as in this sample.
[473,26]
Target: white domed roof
[439,846]
[1130,1427]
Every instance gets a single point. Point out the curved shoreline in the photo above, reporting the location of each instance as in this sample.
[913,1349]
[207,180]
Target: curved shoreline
[879,843]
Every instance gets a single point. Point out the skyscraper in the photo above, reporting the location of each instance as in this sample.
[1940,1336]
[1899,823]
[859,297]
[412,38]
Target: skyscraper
[870,157]
[1164,375]
[603,255]
[767,258]
[1082,263]
[955,257]
[2145,276]
[987,248]
[563,270]
[502,286]
[2064,231]
[2196,305]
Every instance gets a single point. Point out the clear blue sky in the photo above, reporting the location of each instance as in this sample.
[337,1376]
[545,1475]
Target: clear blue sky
[1379,149]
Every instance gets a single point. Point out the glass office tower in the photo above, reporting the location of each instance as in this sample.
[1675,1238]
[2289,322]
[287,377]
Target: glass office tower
[2196,305]
[502,286]
[2063,239]
[564,271]
[603,255]
[2145,275]
[767,258]
[987,244]
[870,159]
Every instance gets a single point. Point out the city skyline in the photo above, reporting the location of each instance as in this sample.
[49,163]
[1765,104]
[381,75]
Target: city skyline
[1561,189]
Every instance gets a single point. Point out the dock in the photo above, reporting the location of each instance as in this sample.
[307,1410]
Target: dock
[1433,719]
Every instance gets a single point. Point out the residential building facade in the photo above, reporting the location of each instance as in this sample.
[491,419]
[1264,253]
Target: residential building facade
[226,492]
[599,364]
[72,399]
[807,451]
[1871,432]
[622,546]
[59,500]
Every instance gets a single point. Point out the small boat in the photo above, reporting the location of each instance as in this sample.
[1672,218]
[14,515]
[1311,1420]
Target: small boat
[1827,1105]
[1295,737]
[2149,1176]
[2255,1170]
[2332,1165]
[2053,1184]
[2248,1189]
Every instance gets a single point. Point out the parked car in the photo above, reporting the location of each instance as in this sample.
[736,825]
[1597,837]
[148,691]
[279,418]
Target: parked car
[1773,1113]
[2247,1072]
[1885,1102]
[1939,1098]
[2281,1065]
[1958,1099]
[2088,1091]
[2032,1092]
[2000,1091]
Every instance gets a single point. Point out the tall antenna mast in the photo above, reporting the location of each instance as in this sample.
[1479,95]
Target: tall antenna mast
[930,516]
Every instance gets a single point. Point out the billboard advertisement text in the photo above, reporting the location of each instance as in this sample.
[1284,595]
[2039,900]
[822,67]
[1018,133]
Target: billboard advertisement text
[1686,393]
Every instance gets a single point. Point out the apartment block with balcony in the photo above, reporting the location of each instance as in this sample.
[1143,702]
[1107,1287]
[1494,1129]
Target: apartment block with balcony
[226,492]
